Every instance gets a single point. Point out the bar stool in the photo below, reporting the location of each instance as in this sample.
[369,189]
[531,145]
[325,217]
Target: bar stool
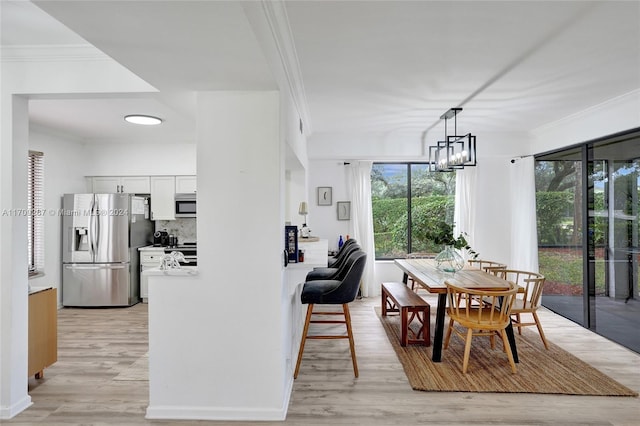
[333,292]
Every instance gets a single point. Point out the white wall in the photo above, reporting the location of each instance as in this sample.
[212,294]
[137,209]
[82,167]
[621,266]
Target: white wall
[323,220]
[141,159]
[392,146]
[65,165]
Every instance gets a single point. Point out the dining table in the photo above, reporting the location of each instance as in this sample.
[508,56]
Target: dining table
[426,273]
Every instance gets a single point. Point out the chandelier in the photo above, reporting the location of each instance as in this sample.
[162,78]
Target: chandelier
[455,151]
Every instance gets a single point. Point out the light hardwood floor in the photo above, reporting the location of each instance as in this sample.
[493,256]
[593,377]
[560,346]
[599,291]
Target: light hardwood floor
[92,382]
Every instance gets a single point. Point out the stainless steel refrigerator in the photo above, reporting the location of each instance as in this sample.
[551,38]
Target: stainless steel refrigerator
[101,234]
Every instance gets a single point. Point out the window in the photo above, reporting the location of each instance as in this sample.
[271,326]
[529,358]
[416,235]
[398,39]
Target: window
[406,198]
[35,207]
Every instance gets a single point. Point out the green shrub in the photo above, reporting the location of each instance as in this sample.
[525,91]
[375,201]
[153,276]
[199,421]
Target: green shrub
[391,223]
[552,208]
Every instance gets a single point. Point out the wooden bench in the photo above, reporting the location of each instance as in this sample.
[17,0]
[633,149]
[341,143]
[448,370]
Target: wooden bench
[397,297]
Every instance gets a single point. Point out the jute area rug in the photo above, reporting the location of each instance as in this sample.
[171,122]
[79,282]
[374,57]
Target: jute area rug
[552,371]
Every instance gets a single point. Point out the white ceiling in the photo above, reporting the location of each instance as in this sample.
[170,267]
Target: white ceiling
[381,66]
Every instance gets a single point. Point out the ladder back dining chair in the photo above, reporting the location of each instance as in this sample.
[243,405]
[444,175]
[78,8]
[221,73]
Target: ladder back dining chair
[468,310]
[528,299]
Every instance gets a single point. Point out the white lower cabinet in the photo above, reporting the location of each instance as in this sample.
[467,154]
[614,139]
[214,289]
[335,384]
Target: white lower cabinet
[150,257]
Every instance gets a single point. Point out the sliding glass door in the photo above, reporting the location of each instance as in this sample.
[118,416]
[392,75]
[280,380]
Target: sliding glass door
[588,234]
[559,196]
[616,297]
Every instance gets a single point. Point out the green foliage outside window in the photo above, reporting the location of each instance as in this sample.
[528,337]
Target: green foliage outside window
[557,225]
[391,223]
[432,201]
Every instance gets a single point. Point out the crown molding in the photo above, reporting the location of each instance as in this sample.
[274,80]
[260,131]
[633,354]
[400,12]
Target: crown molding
[278,21]
[51,53]
[626,102]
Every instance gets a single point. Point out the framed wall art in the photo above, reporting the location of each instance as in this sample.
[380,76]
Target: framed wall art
[344,210]
[324,196]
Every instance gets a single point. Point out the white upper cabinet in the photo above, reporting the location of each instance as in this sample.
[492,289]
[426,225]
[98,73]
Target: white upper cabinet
[185,184]
[163,192]
[122,184]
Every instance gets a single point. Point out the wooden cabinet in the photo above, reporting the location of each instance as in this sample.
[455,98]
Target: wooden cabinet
[163,192]
[185,184]
[122,184]
[43,331]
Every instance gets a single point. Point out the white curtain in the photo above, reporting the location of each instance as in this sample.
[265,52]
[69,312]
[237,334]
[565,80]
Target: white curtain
[524,234]
[359,186]
[465,203]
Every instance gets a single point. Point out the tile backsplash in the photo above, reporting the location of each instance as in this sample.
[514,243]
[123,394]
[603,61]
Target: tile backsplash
[184,228]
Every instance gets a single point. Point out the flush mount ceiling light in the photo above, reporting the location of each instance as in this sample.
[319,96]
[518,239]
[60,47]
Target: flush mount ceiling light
[454,152]
[145,120]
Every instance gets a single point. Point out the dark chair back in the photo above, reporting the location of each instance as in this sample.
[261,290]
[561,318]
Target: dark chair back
[341,253]
[337,292]
[346,253]
[333,273]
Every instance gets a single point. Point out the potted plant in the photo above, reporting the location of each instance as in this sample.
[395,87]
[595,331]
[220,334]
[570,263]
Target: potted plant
[449,260]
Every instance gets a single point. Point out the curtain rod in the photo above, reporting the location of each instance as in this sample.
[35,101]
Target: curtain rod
[520,157]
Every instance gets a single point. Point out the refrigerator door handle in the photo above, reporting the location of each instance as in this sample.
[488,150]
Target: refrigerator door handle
[94,266]
[81,267]
[97,221]
[92,231]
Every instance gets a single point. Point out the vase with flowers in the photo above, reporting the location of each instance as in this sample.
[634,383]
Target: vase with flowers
[449,259]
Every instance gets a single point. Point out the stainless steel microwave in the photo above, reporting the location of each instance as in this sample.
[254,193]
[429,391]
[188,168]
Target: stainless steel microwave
[185,205]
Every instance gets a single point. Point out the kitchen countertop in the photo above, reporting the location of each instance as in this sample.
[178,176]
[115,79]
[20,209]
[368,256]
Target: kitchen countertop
[181,272]
[34,290]
[157,248]
[151,247]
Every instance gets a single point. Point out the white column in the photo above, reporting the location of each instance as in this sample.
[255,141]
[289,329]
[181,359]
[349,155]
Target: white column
[13,261]
[216,345]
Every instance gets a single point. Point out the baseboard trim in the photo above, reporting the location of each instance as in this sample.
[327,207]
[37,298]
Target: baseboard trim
[214,413]
[7,413]
[176,412]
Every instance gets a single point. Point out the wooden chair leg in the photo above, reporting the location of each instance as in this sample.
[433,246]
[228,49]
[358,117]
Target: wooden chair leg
[467,351]
[505,341]
[304,338]
[448,336]
[352,348]
[537,320]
